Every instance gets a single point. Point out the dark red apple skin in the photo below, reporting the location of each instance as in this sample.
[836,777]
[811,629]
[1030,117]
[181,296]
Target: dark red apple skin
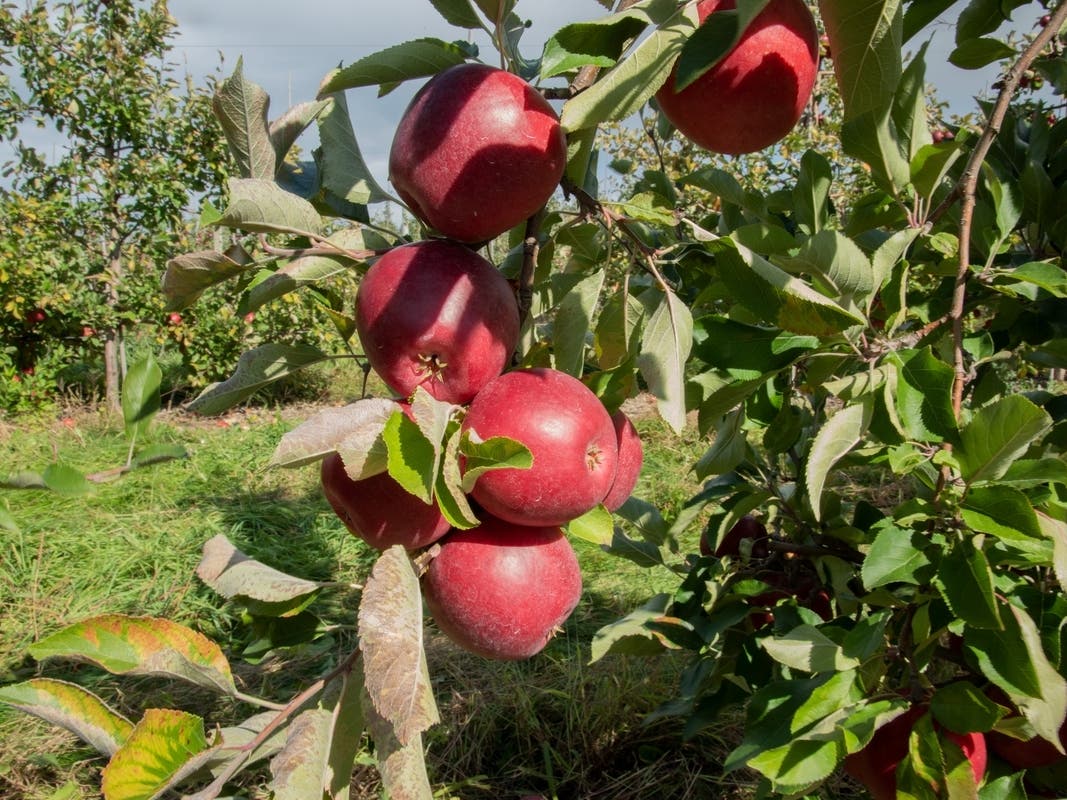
[379,510]
[875,766]
[748,527]
[477,152]
[754,96]
[436,314]
[631,457]
[1029,754]
[502,590]
[567,430]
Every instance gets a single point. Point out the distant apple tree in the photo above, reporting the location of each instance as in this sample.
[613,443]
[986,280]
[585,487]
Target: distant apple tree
[882,526]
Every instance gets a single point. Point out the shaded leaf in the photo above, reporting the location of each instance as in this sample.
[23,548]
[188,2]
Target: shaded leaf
[574,318]
[838,435]
[256,368]
[714,39]
[125,645]
[402,767]
[630,635]
[807,649]
[285,130]
[236,576]
[187,276]
[140,395]
[391,638]
[342,170]
[597,42]
[665,346]
[261,206]
[418,58]
[71,707]
[354,431]
[241,108]
[865,37]
[966,584]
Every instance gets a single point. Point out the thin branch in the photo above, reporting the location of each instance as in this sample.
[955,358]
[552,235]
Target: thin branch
[968,185]
[531,247]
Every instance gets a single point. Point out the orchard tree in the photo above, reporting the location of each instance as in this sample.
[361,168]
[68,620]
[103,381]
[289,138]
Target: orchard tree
[829,344]
[136,145]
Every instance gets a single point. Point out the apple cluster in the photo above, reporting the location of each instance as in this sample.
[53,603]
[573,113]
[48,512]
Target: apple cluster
[476,153]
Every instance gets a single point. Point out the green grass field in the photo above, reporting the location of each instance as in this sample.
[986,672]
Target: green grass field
[557,725]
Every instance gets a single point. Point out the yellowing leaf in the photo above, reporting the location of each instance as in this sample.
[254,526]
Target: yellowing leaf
[157,750]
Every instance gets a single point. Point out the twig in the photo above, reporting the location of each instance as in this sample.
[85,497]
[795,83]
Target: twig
[531,247]
[968,184]
[286,711]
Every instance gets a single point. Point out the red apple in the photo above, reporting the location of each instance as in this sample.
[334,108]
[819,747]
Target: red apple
[174,318]
[379,510]
[567,430]
[748,527]
[477,152]
[631,456]
[502,590]
[875,766]
[436,314]
[1019,753]
[754,96]
[36,316]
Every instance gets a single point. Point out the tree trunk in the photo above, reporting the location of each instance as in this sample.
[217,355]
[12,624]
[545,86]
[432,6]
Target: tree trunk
[114,363]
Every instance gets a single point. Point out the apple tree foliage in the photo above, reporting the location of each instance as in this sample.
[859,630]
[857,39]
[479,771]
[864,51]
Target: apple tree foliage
[868,367]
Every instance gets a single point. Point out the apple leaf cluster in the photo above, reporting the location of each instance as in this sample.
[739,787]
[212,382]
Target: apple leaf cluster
[883,509]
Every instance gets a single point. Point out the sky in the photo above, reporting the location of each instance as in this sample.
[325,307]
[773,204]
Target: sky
[288,48]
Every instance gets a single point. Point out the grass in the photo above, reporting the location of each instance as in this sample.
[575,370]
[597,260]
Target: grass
[555,726]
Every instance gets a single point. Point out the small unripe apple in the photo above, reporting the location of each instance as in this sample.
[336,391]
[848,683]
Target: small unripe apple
[477,152]
[502,590]
[379,510]
[436,314]
[755,95]
[631,456]
[567,430]
[875,766]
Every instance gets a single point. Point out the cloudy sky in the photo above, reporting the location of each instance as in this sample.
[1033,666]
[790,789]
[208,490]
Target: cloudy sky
[288,48]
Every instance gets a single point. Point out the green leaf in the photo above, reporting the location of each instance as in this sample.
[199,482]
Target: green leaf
[411,457]
[65,480]
[896,555]
[256,368]
[633,80]
[343,172]
[1050,277]
[158,749]
[777,296]
[448,490]
[966,584]
[126,645]
[811,195]
[665,347]
[158,453]
[140,396]
[496,452]
[714,39]
[1014,660]
[807,649]
[1001,511]
[458,12]
[7,522]
[391,639]
[241,108]
[731,345]
[865,37]
[261,206]
[838,435]
[598,42]
[285,130]
[321,745]
[594,526]
[727,450]
[264,590]
[418,58]
[930,167]
[997,435]
[924,395]
[71,707]
[631,635]
[839,263]
[976,53]
[402,768]
[963,707]
[354,431]
[574,318]
[304,271]
[188,275]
